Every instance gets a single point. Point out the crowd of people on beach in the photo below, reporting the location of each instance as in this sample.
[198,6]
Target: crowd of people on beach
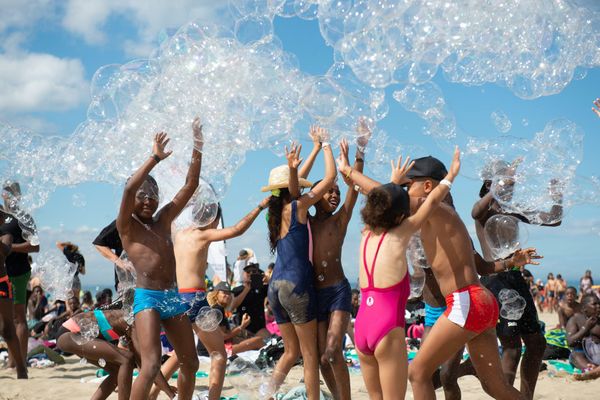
[304,297]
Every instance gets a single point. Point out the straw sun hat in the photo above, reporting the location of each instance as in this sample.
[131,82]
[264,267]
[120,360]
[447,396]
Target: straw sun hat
[279,178]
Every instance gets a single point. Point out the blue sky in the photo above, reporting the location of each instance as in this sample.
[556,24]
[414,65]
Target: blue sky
[62,44]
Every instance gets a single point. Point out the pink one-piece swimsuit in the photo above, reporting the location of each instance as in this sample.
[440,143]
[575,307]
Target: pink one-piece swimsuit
[381,309]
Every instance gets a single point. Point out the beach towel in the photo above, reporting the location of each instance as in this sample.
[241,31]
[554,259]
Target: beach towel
[299,393]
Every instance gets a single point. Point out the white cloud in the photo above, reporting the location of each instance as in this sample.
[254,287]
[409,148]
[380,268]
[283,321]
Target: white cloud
[18,14]
[40,82]
[87,18]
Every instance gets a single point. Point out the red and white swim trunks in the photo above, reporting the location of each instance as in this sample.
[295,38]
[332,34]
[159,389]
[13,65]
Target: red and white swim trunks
[472,307]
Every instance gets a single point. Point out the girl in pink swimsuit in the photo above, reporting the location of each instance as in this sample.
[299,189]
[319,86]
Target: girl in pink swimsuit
[384,281]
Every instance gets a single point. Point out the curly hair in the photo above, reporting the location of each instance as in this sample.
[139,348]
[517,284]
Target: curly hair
[381,211]
[211,297]
[274,217]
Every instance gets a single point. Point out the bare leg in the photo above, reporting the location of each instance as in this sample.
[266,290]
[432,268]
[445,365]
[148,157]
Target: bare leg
[334,355]
[350,330]
[326,369]
[535,344]
[291,352]
[444,340]
[108,385]
[393,364]
[579,360]
[449,375]
[307,337]
[180,335]
[119,361]
[253,343]
[8,332]
[168,368]
[590,375]
[214,343]
[483,350]
[370,372]
[20,320]
[511,354]
[147,325]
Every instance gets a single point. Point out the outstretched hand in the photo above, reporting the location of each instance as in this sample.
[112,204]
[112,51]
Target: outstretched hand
[342,161]
[455,166]
[400,170]
[160,142]
[596,108]
[197,130]
[319,133]
[314,136]
[364,133]
[293,155]
[526,256]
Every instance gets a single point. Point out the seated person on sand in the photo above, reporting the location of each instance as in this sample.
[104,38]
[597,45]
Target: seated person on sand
[237,339]
[583,336]
[568,307]
[37,306]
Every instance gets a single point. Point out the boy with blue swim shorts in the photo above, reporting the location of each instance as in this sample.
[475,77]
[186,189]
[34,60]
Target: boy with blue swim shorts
[191,253]
[146,238]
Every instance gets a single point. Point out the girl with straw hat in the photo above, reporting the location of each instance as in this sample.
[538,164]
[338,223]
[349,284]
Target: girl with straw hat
[291,290]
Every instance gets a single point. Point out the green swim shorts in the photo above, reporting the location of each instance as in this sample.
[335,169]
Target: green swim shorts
[19,287]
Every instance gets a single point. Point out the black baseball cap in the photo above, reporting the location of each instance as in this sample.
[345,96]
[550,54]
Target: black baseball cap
[252,266]
[428,167]
[223,286]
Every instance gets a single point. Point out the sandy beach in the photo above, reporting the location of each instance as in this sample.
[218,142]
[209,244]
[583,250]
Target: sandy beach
[75,381]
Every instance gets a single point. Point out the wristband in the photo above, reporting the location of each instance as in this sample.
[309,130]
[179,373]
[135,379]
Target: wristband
[156,158]
[348,174]
[446,182]
[260,207]
[358,159]
[325,144]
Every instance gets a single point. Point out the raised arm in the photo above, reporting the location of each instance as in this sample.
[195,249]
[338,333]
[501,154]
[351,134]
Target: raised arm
[215,235]
[356,178]
[520,258]
[315,135]
[124,219]
[293,158]
[437,194]
[322,187]
[481,206]
[25,247]
[192,180]
[362,140]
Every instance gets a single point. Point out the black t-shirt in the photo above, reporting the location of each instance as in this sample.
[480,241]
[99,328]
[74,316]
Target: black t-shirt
[254,306]
[16,263]
[76,258]
[109,237]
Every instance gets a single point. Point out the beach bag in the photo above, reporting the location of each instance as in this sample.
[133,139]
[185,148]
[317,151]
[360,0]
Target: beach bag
[271,353]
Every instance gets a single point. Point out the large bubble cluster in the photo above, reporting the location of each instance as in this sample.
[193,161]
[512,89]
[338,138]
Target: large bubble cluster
[232,71]
[536,178]
[249,381]
[56,274]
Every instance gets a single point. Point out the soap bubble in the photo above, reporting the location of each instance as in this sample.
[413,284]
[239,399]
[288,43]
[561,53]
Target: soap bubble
[249,380]
[503,235]
[202,208]
[501,121]
[512,305]
[208,319]
[56,274]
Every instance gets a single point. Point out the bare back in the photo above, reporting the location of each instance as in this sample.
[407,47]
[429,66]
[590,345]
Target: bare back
[449,250]
[150,248]
[191,253]
[391,265]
